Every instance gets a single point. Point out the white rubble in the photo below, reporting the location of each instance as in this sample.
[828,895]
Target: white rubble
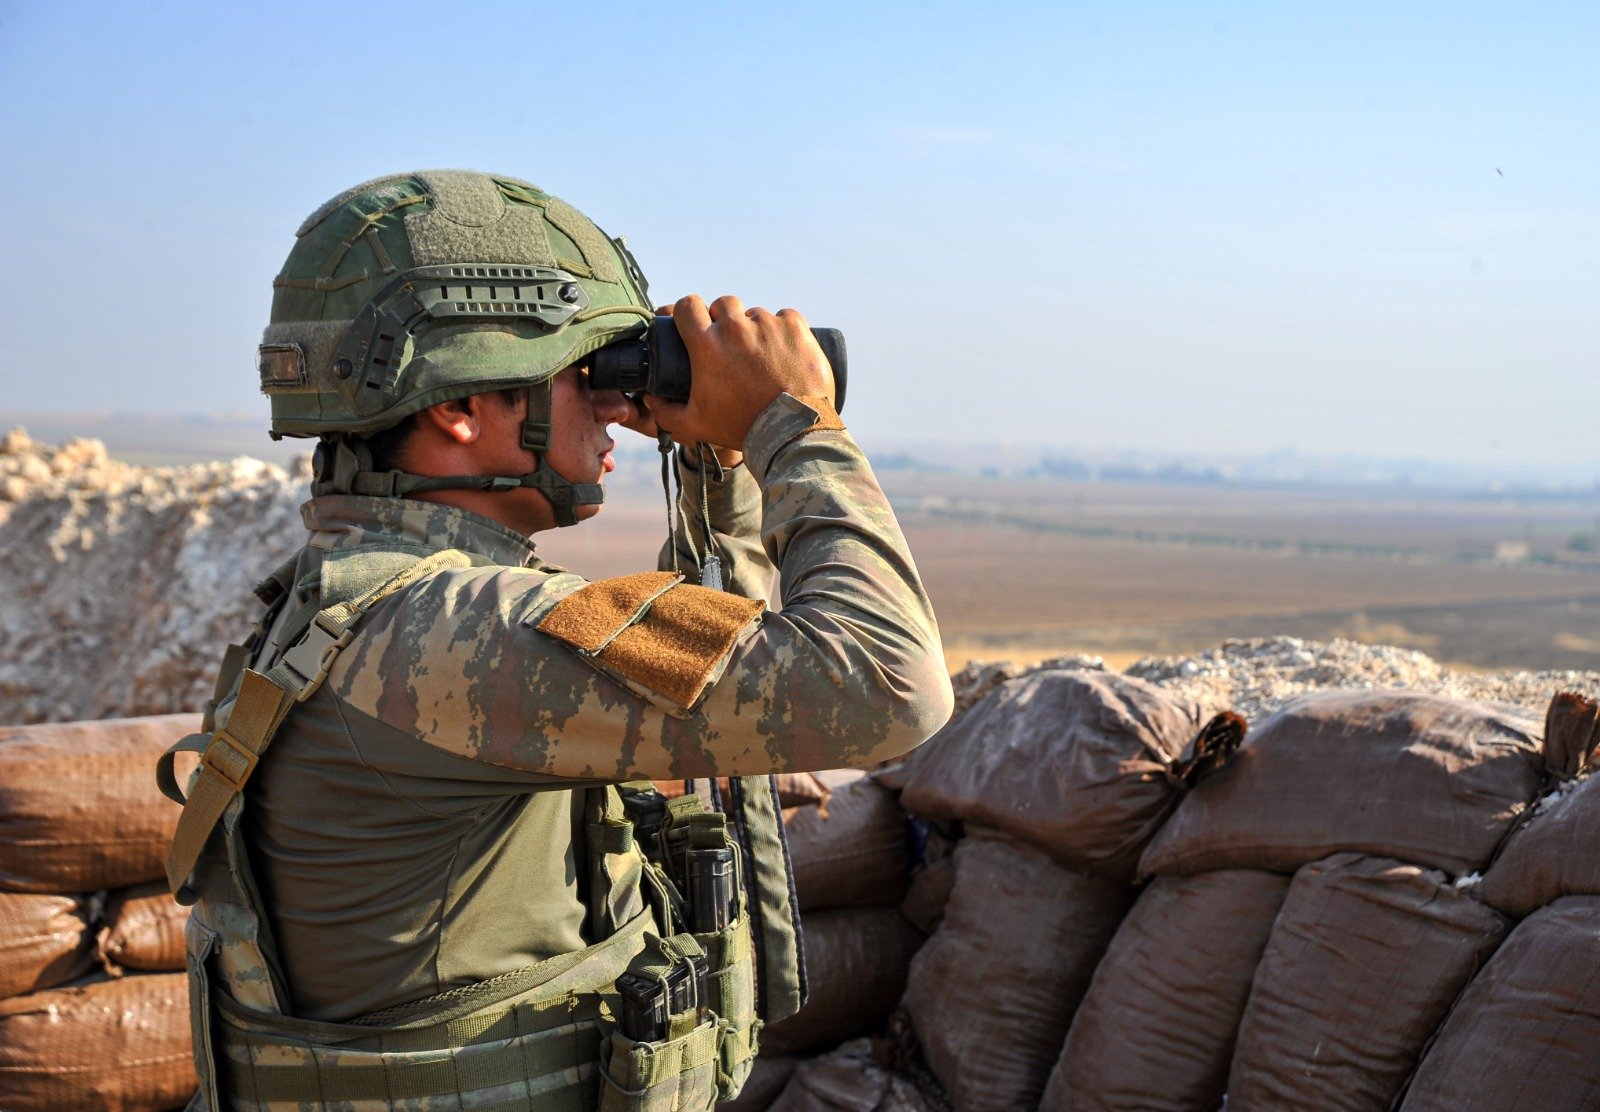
[1257,676]
[120,585]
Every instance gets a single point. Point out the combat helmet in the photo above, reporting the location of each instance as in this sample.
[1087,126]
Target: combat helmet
[418,288]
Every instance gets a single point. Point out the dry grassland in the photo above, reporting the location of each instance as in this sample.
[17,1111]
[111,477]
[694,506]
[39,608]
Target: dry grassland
[1030,570]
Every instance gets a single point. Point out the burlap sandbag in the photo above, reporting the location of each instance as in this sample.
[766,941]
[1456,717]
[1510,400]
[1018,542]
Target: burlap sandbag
[1365,959]
[108,1045]
[1554,855]
[1077,763]
[44,941]
[929,894]
[1156,1030]
[856,963]
[852,852]
[850,1080]
[143,929]
[992,993]
[1399,774]
[1526,1033]
[768,1076]
[79,807]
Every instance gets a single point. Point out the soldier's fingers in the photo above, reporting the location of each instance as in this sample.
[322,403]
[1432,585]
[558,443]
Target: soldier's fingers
[793,317]
[691,315]
[758,313]
[667,415]
[663,310]
[726,306]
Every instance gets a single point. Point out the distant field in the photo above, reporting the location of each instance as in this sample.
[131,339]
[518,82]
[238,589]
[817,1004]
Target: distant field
[1028,569]
[1123,570]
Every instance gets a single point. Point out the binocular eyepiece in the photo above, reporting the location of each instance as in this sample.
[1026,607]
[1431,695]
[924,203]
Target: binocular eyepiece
[658,363]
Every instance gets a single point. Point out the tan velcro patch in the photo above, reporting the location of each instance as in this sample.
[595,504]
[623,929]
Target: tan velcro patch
[653,630]
[827,416]
[592,616]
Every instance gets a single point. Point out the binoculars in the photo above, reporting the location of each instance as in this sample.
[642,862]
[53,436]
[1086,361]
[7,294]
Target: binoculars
[658,363]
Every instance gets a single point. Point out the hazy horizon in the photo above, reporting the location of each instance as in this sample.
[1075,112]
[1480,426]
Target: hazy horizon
[156,439]
[1203,230]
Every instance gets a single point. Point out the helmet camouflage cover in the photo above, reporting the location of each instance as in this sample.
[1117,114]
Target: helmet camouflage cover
[417,288]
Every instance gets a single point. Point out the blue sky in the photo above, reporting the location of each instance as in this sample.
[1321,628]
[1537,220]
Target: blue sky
[1367,228]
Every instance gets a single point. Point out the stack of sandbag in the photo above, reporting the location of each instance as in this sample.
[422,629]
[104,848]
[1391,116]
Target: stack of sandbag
[1057,780]
[1156,1030]
[1320,990]
[1525,1033]
[1365,959]
[850,864]
[1554,853]
[94,1013]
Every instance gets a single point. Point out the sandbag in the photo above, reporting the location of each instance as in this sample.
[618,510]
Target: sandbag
[992,993]
[768,1076]
[104,1045]
[1526,1033]
[856,963]
[1554,854]
[850,1080]
[143,929]
[1077,763]
[929,894]
[850,853]
[1401,774]
[79,807]
[1157,1028]
[1365,959]
[44,941]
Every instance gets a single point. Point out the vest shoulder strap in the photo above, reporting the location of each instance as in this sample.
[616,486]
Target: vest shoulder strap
[264,699]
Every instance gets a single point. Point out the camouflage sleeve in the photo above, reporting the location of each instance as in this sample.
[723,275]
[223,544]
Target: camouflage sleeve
[733,502]
[849,673]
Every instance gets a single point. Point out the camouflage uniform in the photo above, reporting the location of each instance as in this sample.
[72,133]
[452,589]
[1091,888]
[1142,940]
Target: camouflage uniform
[452,729]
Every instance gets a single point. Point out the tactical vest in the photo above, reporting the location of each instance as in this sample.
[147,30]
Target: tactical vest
[650,1016]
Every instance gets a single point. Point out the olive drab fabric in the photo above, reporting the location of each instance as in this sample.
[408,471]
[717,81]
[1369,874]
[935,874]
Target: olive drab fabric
[516,285]
[424,891]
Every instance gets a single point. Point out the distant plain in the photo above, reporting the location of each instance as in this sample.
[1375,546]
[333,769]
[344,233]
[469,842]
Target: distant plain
[1028,568]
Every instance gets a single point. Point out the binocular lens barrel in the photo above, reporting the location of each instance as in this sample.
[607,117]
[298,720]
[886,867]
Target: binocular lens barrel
[658,363]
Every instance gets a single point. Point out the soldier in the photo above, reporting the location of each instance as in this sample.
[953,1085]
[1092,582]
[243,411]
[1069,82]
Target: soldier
[430,892]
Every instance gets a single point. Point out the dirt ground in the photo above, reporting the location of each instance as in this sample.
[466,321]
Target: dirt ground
[1124,571]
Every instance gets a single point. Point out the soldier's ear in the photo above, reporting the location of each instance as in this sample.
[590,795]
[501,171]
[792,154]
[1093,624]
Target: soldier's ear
[459,420]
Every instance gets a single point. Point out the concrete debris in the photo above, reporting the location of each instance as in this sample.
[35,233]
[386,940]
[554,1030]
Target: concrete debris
[1257,676]
[119,584]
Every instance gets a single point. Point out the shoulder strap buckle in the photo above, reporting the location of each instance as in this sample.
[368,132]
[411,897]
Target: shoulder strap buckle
[311,657]
[229,759]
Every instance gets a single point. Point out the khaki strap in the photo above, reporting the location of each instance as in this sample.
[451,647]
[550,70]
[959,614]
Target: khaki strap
[263,701]
[774,909]
[224,767]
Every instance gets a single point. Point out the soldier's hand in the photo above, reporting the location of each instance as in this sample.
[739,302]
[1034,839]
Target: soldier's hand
[643,423]
[742,360]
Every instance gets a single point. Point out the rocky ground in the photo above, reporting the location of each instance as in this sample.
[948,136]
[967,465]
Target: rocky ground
[119,585]
[1257,676]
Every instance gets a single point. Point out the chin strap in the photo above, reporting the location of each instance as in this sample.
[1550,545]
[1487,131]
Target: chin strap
[344,466]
